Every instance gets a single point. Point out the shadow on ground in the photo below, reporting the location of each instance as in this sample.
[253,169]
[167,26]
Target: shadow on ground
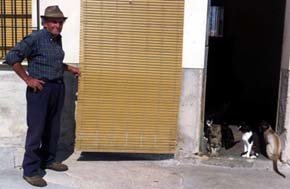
[99,156]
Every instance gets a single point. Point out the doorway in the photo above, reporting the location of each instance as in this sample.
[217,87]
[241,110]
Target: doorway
[244,61]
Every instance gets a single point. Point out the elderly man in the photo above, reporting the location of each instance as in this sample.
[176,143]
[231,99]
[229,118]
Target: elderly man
[45,93]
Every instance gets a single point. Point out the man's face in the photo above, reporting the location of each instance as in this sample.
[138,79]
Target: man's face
[54,25]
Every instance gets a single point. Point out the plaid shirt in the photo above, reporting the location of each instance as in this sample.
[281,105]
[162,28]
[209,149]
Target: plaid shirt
[44,54]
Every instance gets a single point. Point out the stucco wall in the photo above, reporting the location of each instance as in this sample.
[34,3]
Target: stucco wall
[191,111]
[12,105]
[283,126]
[283,114]
[13,118]
[194,54]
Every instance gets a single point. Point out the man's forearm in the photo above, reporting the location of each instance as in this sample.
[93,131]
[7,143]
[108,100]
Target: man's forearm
[36,84]
[72,69]
[68,67]
[19,70]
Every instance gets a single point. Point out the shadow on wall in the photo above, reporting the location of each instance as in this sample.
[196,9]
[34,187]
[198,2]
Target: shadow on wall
[66,142]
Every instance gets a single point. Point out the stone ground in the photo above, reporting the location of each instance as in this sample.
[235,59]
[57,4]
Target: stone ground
[146,171]
[131,171]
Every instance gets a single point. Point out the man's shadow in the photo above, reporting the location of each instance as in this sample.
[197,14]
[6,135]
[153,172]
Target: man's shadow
[66,143]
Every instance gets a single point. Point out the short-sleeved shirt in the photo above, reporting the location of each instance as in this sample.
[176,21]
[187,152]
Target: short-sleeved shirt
[44,55]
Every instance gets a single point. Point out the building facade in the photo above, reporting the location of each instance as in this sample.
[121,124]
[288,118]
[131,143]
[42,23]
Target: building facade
[190,111]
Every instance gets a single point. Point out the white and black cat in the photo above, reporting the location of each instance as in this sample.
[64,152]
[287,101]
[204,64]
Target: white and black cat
[248,140]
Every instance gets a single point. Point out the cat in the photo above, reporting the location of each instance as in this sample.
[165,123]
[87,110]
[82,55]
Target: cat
[213,134]
[273,145]
[248,140]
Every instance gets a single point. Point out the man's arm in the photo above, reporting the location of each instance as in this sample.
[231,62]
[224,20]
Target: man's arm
[31,82]
[17,54]
[74,70]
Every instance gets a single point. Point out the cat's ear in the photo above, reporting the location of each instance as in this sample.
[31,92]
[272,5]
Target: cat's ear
[264,126]
[209,123]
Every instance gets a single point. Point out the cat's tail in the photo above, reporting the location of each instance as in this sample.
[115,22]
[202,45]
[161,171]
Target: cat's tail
[275,167]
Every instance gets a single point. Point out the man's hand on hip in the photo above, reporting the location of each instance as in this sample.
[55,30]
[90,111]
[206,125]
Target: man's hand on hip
[36,84]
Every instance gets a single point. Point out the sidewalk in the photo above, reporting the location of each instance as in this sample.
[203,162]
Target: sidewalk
[115,171]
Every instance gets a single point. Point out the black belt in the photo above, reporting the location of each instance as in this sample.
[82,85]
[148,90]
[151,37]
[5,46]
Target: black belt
[57,80]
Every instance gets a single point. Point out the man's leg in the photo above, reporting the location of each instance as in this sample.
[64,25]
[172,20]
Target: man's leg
[36,117]
[51,136]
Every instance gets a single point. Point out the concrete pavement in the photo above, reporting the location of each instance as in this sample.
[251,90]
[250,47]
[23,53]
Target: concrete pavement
[201,177]
[115,171]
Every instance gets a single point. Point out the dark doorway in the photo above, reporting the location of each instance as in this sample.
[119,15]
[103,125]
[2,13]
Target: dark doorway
[244,63]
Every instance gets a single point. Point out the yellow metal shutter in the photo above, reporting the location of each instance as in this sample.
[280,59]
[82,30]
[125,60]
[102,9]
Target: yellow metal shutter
[131,75]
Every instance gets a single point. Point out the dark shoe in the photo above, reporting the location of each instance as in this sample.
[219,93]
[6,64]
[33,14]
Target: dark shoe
[35,180]
[56,166]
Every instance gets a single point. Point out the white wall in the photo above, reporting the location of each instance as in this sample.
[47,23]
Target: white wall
[194,40]
[194,34]
[12,105]
[71,29]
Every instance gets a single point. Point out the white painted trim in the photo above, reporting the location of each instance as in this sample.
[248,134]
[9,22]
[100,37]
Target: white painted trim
[285,64]
[34,13]
[194,33]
